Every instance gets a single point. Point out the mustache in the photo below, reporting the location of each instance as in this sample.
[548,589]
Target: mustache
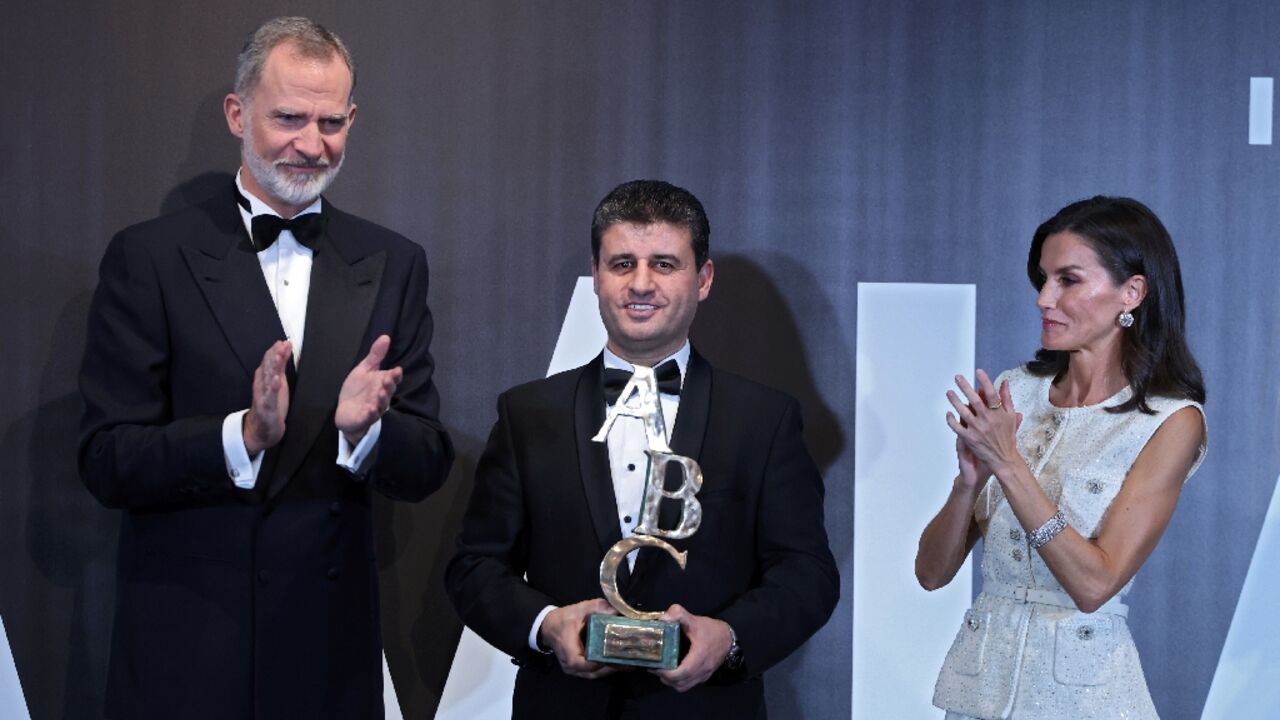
[303,163]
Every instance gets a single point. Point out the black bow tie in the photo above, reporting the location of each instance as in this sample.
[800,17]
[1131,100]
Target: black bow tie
[305,228]
[668,374]
[267,228]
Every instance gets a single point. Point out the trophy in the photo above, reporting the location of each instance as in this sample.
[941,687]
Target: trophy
[633,637]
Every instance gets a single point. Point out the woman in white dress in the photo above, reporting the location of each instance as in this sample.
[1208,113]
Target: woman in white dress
[1070,468]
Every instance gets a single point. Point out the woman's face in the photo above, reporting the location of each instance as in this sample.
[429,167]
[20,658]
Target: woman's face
[1079,302]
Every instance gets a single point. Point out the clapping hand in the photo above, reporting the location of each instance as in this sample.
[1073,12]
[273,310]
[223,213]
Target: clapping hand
[366,393]
[986,424]
[263,426]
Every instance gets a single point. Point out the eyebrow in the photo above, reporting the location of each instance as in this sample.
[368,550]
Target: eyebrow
[290,112]
[1065,269]
[658,257]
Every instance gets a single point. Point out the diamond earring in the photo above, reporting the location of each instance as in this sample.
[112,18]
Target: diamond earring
[1125,319]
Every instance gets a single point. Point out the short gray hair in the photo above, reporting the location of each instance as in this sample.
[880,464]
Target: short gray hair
[311,38]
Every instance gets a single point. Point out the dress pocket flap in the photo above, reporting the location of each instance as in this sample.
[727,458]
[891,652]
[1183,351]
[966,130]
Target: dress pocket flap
[1082,649]
[968,650]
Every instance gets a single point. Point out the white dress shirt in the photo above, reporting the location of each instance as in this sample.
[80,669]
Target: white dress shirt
[628,462]
[286,267]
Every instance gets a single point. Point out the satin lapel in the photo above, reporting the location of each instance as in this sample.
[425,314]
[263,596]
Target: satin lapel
[226,270]
[593,458]
[686,440]
[695,407]
[339,304]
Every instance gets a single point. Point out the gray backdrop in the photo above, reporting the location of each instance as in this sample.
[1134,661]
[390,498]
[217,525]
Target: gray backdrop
[831,143]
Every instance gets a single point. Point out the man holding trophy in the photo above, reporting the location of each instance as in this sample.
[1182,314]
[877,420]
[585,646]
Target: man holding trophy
[681,493]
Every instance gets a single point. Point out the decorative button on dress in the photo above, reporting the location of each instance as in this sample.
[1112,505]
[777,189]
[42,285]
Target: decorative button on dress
[1024,651]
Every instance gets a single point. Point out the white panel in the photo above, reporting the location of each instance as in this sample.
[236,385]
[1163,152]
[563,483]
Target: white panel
[13,706]
[1245,684]
[582,335]
[479,684]
[482,678]
[912,341]
[1260,109]
[390,703]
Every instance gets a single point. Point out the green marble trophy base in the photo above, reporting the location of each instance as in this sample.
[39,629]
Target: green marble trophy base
[620,640]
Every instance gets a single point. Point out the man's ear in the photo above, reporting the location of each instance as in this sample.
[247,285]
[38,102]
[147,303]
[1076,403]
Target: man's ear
[706,274]
[595,277]
[234,108]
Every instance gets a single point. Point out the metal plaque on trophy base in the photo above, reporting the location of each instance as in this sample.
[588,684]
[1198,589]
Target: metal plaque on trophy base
[620,640]
[643,639]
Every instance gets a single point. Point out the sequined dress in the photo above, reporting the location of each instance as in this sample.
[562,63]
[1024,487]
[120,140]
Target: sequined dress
[1024,651]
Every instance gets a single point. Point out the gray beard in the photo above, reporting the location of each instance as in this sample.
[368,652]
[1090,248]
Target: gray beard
[282,185]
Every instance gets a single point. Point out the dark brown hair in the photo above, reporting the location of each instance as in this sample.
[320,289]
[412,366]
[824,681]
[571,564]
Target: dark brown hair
[1130,240]
[652,201]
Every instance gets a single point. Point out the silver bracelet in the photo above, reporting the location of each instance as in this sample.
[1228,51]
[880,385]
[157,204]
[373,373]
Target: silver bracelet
[1041,536]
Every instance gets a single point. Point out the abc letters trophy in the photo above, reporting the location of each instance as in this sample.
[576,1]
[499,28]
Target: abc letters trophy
[634,637]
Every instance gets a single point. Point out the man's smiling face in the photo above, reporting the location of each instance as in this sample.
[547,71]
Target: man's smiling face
[293,127]
[648,288]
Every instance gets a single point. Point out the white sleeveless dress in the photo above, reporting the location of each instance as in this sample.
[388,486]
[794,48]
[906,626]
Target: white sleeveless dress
[1024,651]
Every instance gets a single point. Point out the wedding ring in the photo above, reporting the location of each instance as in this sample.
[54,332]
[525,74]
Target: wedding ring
[997,406]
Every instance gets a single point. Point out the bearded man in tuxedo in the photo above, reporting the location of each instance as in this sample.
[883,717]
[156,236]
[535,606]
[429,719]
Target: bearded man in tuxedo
[256,367]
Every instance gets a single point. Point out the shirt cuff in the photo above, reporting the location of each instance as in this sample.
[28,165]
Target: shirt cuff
[353,459]
[242,469]
[537,625]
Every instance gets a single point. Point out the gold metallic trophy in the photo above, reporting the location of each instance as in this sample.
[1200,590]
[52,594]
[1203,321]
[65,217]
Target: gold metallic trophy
[634,637]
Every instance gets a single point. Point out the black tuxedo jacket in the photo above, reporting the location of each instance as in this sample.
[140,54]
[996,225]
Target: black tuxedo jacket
[543,515]
[234,603]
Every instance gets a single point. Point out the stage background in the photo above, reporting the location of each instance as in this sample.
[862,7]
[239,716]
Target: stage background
[831,142]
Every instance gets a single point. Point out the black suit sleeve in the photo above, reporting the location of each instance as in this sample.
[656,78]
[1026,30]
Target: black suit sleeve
[799,584]
[133,452]
[485,579]
[414,452]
